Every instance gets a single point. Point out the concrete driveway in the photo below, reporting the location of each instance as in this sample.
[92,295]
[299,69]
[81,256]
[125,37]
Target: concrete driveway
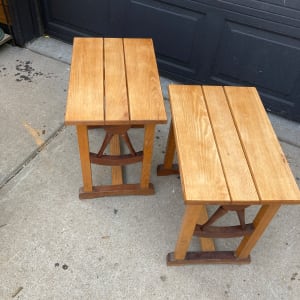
[54,246]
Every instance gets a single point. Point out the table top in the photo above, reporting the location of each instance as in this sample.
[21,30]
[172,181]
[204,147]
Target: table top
[227,150]
[114,81]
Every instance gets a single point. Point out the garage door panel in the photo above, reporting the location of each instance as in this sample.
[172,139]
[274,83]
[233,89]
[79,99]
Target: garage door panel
[161,22]
[73,18]
[286,3]
[237,42]
[259,57]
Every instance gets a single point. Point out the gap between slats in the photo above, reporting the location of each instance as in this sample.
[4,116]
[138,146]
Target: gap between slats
[126,81]
[103,83]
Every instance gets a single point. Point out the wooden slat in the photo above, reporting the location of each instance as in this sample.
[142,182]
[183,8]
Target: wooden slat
[270,169]
[116,102]
[200,167]
[145,97]
[85,95]
[236,170]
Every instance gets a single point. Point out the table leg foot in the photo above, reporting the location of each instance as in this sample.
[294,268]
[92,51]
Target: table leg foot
[162,171]
[213,257]
[116,190]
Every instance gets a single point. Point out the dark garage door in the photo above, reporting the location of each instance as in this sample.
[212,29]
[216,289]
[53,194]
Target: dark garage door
[243,42]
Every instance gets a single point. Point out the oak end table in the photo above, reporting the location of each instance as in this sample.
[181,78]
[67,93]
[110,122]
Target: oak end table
[114,84]
[229,156]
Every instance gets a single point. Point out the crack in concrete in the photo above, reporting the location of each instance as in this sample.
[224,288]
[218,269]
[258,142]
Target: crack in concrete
[31,157]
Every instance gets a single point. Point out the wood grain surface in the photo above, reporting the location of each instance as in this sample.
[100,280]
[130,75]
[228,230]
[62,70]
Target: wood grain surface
[145,95]
[238,176]
[227,148]
[85,95]
[114,81]
[116,101]
[200,166]
[268,164]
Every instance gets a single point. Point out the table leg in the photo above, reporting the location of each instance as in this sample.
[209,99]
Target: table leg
[194,214]
[168,168]
[116,161]
[260,223]
[207,244]
[147,158]
[189,222]
[83,143]
[116,171]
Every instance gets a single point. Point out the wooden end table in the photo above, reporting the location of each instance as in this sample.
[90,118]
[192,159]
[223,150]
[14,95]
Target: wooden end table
[114,83]
[228,156]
